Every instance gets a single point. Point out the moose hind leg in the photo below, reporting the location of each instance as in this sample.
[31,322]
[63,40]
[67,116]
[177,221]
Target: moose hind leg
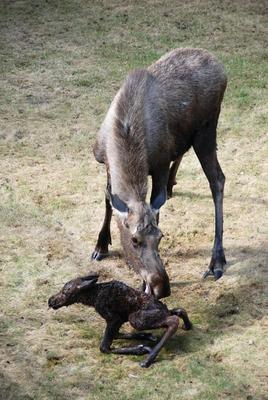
[216,178]
[172,176]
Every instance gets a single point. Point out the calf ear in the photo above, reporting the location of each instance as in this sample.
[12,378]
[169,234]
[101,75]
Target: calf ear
[159,199]
[118,204]
[90,276]
[85,284]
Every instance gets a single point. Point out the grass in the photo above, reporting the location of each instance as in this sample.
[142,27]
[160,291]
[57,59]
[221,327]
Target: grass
[61,64]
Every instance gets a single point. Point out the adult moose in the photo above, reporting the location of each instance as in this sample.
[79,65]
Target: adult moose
[155,117]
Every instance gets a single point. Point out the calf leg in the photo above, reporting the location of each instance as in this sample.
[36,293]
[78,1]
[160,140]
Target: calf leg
[137,336]
[138,350]
[153,319]
[171,324]
[104,238]
[172,176]
[110,333]
[180,312]
[209,162]
[141,320]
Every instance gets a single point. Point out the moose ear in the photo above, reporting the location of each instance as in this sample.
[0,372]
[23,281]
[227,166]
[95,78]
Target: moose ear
[118,204]
[159,199]
[87,283]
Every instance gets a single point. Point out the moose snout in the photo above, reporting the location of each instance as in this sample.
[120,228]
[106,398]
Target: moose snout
[157,284]
[154,275]
[162,289]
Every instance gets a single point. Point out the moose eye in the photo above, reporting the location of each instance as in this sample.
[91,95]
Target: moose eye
[135,241]
[67,289]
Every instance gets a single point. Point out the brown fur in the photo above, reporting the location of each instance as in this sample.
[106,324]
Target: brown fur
[156,116]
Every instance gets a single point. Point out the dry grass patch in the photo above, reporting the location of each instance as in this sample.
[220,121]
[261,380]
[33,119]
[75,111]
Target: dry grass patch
[61,64]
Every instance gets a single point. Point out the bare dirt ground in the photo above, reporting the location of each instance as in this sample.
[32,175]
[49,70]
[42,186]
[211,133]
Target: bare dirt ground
[60,67]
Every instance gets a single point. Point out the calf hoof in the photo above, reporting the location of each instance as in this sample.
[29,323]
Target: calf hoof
[146,363]
[105,350]
[149,336]
[188,326]
[142,349]
[98,256]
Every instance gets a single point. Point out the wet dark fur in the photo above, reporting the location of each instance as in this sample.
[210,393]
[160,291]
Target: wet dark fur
[118,303]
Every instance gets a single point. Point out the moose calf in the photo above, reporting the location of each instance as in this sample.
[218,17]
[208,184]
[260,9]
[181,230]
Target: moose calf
[118,303]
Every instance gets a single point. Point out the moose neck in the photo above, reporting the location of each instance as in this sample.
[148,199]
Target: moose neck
[126,144]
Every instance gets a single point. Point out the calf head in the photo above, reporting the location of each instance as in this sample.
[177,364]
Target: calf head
[71,291]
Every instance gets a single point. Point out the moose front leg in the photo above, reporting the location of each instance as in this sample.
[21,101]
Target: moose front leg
[104,238]
[159,189]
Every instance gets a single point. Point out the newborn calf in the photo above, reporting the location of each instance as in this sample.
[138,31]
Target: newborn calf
[118,303]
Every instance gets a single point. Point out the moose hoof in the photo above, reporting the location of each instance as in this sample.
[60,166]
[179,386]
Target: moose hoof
[98,256]
[207,273]
[216,266]
[217,274]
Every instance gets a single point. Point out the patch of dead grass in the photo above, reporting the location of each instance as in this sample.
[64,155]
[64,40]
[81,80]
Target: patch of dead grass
[62,64]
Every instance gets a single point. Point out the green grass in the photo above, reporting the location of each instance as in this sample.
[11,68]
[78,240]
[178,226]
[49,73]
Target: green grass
[61,63]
